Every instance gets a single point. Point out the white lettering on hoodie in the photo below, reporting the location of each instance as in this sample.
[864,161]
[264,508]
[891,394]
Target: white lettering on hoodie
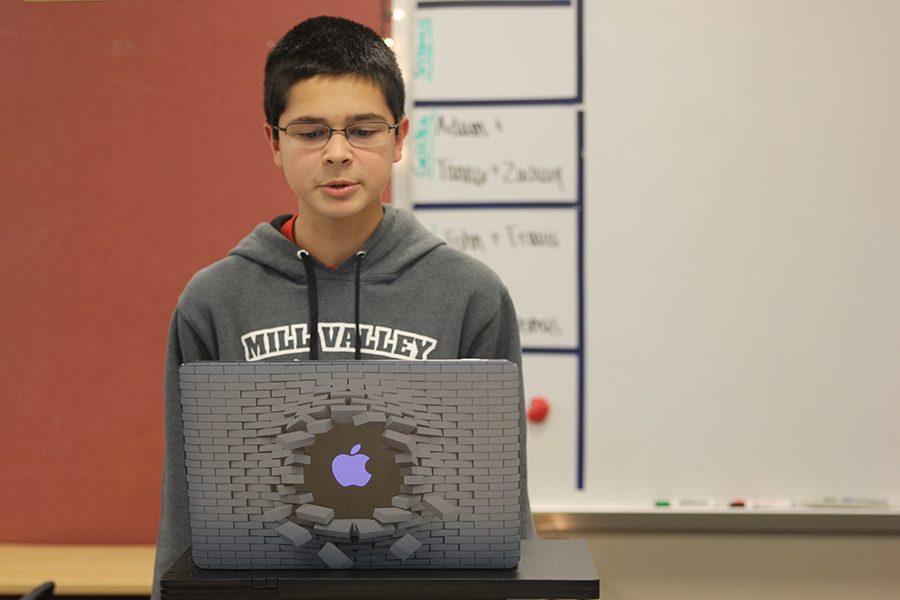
[375,340]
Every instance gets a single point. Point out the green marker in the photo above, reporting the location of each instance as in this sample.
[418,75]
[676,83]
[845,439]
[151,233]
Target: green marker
[662,504]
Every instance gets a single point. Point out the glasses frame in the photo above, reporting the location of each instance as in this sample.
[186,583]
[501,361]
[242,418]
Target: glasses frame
[332,130]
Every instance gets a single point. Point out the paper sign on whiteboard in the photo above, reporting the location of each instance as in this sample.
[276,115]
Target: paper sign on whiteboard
[535,254]
[508,154]
[505,53]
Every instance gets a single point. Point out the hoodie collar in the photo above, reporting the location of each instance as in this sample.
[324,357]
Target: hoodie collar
[399,241]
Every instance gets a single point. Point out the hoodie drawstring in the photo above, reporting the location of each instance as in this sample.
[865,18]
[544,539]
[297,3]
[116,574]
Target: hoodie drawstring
[360,256]
[313,300]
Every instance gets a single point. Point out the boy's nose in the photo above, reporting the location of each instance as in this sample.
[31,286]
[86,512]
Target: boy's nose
[337,148]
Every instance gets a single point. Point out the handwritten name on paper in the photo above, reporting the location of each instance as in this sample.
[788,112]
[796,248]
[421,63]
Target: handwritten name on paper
[510,236]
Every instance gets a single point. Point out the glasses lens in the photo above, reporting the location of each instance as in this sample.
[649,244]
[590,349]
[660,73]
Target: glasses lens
[368,133]
[308,134]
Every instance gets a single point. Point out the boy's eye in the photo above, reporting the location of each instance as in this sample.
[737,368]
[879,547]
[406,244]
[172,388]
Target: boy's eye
[365,130]
[307,132]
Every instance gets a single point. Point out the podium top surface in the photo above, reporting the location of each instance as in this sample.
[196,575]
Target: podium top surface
[547,569]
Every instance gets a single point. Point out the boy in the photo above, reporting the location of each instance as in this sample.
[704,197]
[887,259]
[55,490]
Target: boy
[367,278]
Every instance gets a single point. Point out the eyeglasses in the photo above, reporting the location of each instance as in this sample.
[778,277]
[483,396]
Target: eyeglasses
[314,136]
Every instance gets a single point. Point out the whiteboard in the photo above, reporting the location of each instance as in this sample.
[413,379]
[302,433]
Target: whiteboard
[742,250]
[741,235]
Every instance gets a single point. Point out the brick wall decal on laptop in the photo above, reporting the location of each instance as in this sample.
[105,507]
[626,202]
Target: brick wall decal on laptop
[251,430]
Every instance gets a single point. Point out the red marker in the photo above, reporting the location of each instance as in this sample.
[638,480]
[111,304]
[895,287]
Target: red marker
[538,409]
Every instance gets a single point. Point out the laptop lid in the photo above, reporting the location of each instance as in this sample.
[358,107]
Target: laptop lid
[352,464]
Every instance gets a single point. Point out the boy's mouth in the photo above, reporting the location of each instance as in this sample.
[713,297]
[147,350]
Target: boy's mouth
[339,187]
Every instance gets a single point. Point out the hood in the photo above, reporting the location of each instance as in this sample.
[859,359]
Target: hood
[398,242]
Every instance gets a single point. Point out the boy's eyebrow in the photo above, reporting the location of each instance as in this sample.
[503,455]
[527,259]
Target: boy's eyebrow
[351,119]
[368,117]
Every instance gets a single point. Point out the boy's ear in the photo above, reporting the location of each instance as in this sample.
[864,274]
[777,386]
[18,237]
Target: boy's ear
[274,144]
[402,132]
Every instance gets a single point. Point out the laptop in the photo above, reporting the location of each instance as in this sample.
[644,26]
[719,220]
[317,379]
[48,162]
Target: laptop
[352,464]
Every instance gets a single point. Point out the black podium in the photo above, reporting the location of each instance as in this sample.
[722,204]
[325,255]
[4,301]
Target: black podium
[547,569]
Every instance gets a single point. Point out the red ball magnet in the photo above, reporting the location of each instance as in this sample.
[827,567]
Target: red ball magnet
[538,409]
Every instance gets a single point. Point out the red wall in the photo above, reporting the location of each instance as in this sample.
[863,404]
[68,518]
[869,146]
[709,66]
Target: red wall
[132,155]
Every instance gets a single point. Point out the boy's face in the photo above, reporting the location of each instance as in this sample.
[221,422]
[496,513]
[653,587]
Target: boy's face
[339,182]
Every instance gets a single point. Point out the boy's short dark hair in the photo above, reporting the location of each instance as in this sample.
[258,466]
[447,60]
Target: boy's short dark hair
[330,46]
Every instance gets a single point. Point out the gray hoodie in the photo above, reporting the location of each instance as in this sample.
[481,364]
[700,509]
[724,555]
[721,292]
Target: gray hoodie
[411,295]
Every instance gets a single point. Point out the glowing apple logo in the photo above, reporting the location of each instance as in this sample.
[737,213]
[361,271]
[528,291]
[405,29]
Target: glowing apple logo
[350,469]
